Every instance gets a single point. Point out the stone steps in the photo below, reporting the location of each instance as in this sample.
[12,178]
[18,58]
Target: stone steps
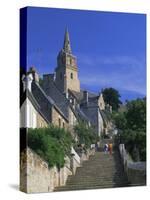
[103,174]
[98,178]
[93,183]
[76,187]
[100,171]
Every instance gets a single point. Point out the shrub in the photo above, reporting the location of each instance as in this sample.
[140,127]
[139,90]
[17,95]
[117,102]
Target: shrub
[85,134]
[51,143]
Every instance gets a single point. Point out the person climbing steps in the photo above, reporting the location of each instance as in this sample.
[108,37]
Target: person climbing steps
[110,147]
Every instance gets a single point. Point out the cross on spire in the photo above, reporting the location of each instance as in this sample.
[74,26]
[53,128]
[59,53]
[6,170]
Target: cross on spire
[66,46]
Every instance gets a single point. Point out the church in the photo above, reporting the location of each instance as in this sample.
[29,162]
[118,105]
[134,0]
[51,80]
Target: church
[59,99]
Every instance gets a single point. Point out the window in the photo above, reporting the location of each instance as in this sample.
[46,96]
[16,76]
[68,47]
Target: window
[63,125]
[71,75]
[70,61]
[59,122]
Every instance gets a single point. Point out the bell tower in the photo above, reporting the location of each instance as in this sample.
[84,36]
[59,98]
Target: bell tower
[67,70]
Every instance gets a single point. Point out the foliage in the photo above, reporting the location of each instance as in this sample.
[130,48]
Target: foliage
[85,134]
[132,126]
[120,120]
[111,97]
[51,143]
[136,114]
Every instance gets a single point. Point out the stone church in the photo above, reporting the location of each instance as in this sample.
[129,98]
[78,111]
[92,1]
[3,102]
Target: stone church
[61,100]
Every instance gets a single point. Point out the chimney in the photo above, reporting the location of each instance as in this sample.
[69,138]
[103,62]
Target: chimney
[27,82]
[85,96]
[49,77]
[47,80]
[34,73]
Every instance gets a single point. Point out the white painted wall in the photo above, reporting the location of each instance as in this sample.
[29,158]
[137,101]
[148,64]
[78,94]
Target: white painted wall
[76,156]
[28,115]
[100,123]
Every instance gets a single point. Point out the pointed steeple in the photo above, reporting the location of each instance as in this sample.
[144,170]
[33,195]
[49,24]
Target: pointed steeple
[66,46]
[67,69]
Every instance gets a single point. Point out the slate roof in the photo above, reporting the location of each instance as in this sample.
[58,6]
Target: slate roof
[23,98]
[79,95]
[35,103]
[92,103]
[45,102]
[29,95]
[33,100]
[81,115]
[60,100]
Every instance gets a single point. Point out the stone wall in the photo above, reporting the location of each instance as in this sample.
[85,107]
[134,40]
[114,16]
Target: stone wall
[60,80]
[41,122]
[136,171]
[56,117]
[72,83]
[36,176]
[84,155]
[101,102]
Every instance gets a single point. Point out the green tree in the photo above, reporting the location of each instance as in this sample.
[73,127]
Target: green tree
[119,120]
[85,134]
[111,97]
[132,123]
[136,114]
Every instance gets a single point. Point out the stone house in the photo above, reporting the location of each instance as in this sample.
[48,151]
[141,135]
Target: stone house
[31,114]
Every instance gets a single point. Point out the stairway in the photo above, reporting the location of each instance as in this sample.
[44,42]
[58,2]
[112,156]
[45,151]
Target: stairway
[100,171]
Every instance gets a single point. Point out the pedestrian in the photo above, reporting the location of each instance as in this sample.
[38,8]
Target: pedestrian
[110,146]
[106,148]
[96,147]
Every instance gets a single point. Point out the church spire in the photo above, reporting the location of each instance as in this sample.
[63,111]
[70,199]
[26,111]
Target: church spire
[67,47]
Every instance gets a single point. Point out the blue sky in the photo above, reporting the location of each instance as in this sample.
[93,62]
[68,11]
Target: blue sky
[110,47]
